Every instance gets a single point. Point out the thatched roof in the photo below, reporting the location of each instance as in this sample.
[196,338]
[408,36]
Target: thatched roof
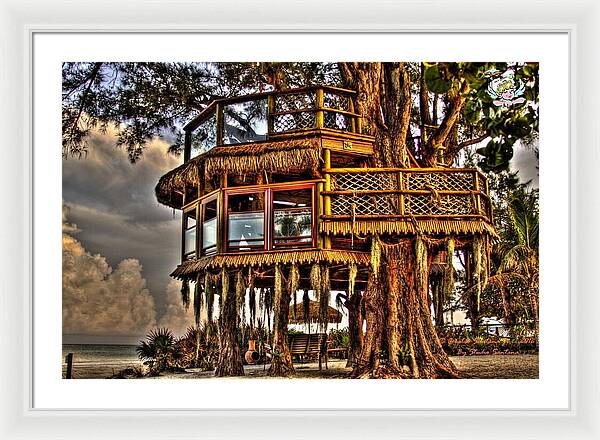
[190,268]
[408,226]
[303,154]
[313,313]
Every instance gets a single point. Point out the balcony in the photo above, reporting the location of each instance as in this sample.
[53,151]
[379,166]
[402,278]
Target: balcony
[272,116]
[393,200]
[360,201]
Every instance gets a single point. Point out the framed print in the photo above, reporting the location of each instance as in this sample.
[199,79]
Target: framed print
[380,220]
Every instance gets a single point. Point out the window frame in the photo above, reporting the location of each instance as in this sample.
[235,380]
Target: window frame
[313,235]
[249,190]
[201,214]
[185,256]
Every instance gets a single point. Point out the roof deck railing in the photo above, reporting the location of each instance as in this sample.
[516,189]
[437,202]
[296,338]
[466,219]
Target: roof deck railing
[271,115]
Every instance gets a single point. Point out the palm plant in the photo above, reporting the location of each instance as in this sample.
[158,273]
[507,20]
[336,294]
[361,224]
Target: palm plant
[159,349]
[519,251]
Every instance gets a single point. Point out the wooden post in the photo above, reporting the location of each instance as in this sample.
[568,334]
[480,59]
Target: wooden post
[320,115]
[220,123]
[319,198]
[183,226]
[270,117]
[477,196]
[69,361]
[221,222]
[198,230]
[327,198]
[221,217]
[187,146]
[353,119]
[401,193]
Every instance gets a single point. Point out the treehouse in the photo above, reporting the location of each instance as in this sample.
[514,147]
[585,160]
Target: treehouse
[287,179]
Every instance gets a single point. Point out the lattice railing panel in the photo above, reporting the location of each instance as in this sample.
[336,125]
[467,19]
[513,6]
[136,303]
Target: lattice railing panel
[422,193]
[335,101]
[337,121]
[295,101]
[424,204]
[450,181]
[363,181]
[364,204]
[293,121]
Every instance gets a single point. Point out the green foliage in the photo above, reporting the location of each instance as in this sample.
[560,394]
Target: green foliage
[437,79]
[340,338]
[146,100]
[159,350]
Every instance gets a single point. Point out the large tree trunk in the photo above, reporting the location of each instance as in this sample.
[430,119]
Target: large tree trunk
[412,347]
[355,327]
[230,357]
[281,360]
[400,339]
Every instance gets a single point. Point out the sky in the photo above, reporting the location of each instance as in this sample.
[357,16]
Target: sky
[119,246]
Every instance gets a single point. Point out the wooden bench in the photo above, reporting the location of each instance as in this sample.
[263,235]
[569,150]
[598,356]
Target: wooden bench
[304,345]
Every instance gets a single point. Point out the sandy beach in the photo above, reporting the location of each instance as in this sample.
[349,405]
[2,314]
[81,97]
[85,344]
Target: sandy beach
[516,366]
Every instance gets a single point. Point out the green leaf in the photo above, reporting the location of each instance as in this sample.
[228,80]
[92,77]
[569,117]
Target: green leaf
[435,81]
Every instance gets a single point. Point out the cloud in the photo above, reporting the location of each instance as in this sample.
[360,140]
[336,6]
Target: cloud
[176,317]
[98,300]
[101,301]
[113,209]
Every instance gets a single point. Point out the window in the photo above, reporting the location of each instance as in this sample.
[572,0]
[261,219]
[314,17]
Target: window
[292,217]
[189,234]
[204,137]
[246,221]
[245,122]
[209,227]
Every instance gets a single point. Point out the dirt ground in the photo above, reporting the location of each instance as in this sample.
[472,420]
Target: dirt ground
[516,366]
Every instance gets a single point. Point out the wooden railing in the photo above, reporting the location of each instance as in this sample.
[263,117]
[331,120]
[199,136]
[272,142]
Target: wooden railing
[391,193]
[271,115]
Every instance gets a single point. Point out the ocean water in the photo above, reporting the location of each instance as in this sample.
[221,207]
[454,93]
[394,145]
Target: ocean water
[94,361]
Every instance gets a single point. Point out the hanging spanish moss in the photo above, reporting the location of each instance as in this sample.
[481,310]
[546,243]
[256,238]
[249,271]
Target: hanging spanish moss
[240,296]
[294,282]
[324,298]
[375,255]
[421,265]
[185,294]
[278,287]
[198,299]
[448,277]
[209,293]
[315,280]
[352,273]
[224,285]
[478,269]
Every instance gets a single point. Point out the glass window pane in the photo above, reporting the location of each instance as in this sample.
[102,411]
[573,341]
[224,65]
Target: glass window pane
[210,210]
[246,229]
[245,122]
[246,220]
[209,234]
[204,137]
[190,219]
[292,216]
[190,241]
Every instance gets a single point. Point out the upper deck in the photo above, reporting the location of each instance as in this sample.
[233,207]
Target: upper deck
[276,116]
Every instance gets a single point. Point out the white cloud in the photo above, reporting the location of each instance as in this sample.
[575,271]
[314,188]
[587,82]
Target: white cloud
[101,301]
[176,317]
[98,300]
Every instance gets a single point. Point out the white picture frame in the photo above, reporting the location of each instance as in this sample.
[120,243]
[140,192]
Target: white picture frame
[21,21]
